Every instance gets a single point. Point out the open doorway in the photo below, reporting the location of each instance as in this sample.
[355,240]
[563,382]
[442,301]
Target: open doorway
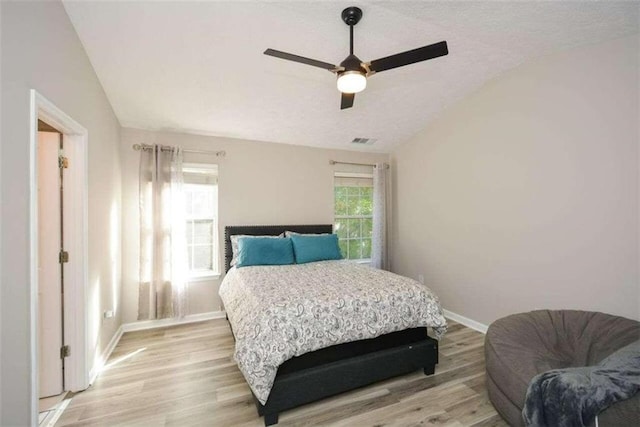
[58,253]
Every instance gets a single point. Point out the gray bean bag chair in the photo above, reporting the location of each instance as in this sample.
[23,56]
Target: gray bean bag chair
[521,346]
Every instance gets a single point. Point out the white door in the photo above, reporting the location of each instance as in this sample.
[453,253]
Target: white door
[49,267]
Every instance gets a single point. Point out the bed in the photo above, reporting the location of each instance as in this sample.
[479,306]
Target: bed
[335,366]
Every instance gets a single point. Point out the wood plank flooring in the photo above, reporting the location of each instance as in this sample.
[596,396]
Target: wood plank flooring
[185,376]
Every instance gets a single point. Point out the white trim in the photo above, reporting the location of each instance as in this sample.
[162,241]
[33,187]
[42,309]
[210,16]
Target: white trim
[33,259]
[204,168]
[353,175]
[160,323]
[76,271]
[203,278]
[480,327]
[97,367]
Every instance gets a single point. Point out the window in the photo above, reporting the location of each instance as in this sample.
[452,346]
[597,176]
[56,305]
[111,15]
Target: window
[201,214]
[353,210]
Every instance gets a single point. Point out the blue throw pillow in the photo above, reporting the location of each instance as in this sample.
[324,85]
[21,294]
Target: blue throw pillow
[264,251]
[315,248]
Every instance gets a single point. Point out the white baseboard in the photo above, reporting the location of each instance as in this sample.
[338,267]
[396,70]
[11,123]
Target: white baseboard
[470,323]
[99,364]
[159,323]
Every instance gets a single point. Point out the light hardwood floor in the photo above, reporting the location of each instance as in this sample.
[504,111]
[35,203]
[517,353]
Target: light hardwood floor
[185,376]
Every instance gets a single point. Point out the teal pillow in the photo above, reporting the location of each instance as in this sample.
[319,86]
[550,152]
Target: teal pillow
[264,251]
[315,248]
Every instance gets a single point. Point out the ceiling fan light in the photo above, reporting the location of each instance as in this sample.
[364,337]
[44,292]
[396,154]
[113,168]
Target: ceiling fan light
[351,82]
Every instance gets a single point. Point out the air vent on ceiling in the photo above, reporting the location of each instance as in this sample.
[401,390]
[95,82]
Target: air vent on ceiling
[363,141]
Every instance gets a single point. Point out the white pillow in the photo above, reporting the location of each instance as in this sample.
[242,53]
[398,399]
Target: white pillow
[295,233]
[234,245]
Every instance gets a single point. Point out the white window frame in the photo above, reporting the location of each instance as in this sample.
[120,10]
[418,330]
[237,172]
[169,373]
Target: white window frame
[196,276]
[344,217]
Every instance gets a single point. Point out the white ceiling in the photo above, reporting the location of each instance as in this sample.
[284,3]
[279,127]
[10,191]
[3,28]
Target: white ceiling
[198,67]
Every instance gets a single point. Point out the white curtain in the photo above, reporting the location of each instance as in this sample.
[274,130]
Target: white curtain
[163,246]
[379,252]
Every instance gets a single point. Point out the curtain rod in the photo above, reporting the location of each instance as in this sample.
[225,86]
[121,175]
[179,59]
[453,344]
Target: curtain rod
[334,162]
[139,147]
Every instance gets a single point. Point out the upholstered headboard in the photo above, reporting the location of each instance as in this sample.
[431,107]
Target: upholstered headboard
[266,230]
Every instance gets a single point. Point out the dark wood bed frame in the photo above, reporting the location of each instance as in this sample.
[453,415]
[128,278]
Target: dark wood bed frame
[333,370]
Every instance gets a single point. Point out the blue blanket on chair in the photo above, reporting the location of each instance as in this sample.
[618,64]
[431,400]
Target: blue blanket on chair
[575,396]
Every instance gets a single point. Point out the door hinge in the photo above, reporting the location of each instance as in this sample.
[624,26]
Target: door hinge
[65,351]
[63,257]
[63,162]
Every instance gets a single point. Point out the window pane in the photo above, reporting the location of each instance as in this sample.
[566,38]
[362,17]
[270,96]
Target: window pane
[353,228]
[341,205]
[366,201]
[367,227]
[202,259]
[203,231]
[353,191]
[189,229]
[341,228]
[201,206]
[202,201]
[354,248]
[353,205]
[353,208]
[366,248]
[190,257]
[344,248]
[188,198]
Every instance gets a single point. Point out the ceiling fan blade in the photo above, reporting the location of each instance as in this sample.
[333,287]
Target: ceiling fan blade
[409,57]
[346,100]
[301,59]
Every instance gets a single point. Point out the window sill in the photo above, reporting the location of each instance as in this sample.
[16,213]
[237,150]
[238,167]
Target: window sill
[203,277]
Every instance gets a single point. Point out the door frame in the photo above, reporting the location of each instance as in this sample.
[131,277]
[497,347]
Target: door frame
[76,328]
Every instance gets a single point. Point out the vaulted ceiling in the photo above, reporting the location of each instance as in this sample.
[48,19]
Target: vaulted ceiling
[198,67]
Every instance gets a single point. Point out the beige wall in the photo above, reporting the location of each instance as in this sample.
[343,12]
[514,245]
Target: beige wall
[525,194]
[259,183]
[40,50]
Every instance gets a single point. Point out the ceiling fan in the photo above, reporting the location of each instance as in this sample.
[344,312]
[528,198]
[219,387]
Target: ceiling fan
[352,72]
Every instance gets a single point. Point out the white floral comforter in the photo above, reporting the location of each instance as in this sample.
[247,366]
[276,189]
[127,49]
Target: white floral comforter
[278,312]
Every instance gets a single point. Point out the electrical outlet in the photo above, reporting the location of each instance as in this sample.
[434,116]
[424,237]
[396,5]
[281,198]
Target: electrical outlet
[421,279]
[108,314]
